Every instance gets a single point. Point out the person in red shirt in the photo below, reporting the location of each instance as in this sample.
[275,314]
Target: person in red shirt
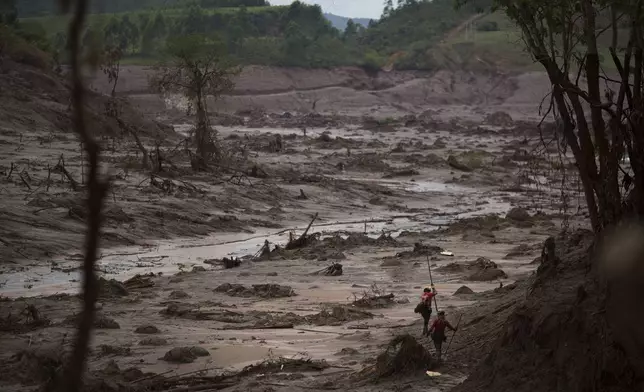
[437,332]
[425,307]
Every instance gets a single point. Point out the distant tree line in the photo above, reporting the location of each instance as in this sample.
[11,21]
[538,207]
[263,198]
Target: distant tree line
[29,8]
[255,33]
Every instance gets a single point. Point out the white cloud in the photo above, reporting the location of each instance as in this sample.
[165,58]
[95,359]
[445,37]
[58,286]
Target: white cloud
[350,8]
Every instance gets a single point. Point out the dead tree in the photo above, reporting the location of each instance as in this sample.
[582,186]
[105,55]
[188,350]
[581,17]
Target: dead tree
[197,69]
[302,240]
[97,190]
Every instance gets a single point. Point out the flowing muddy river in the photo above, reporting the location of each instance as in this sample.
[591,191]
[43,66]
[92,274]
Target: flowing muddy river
[62,274]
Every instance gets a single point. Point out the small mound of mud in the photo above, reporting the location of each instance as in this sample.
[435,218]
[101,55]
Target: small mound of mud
[338,315]
[106,349]
[286,365]
[257,290]
[518,214]
[111,288]
[458,165]
[153,341]
[103,322]
[464,290]
[34,366]
[485,270]
[147,330]
[499,119]
[139,282]
[479,224]
[179,294]
[404,355]
[430,160]
[420,250]
[452,268]
[185,354]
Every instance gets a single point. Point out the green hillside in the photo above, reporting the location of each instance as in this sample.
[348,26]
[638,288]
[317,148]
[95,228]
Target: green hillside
[413,35]
[295,35]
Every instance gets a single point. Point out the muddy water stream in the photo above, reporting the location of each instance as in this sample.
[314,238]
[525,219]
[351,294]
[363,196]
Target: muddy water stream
[167,257]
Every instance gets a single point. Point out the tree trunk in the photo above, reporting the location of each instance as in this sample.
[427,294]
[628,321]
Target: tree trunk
[201,131]
[608,184]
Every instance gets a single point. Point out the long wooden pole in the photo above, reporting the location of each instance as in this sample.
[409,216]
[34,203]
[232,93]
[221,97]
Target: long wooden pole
[452,338]
[431,280]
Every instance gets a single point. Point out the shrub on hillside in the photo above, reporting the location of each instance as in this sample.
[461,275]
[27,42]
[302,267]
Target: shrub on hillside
[488,25]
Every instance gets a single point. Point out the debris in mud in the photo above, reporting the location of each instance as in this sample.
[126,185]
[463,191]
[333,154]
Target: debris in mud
[420,249]
[198,268]
[499,119]
[479,224]
[257,290]
[430,160]
[371,162]
[228,263]
[153,341]
[185,354]
[347,351]
[338,315]
[178,294]
[452,268]
[147,329]
[464,290]
[518,214]
[29,319]
[482,263]
[139,282]
[111,288]
[288,365]
[104,322]
[440,143]
[302,195]
[107,349]
[334,269]
[404,355]
[187,311]
[374,298]
[485,271]
[33,366]
[456,164]
[304,239]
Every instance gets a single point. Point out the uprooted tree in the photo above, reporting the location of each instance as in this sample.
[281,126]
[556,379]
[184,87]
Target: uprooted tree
[564,37]
[197,68]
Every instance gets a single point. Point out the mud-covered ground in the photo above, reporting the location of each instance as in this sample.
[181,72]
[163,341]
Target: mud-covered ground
[391,194]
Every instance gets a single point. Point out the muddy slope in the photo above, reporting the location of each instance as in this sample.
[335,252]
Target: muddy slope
[559,339]
[351,91]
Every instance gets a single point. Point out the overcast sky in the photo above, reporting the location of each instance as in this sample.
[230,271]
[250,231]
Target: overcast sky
[351,8]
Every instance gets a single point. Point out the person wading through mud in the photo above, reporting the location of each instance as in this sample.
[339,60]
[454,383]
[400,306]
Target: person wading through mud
[425,307]
[437,332]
